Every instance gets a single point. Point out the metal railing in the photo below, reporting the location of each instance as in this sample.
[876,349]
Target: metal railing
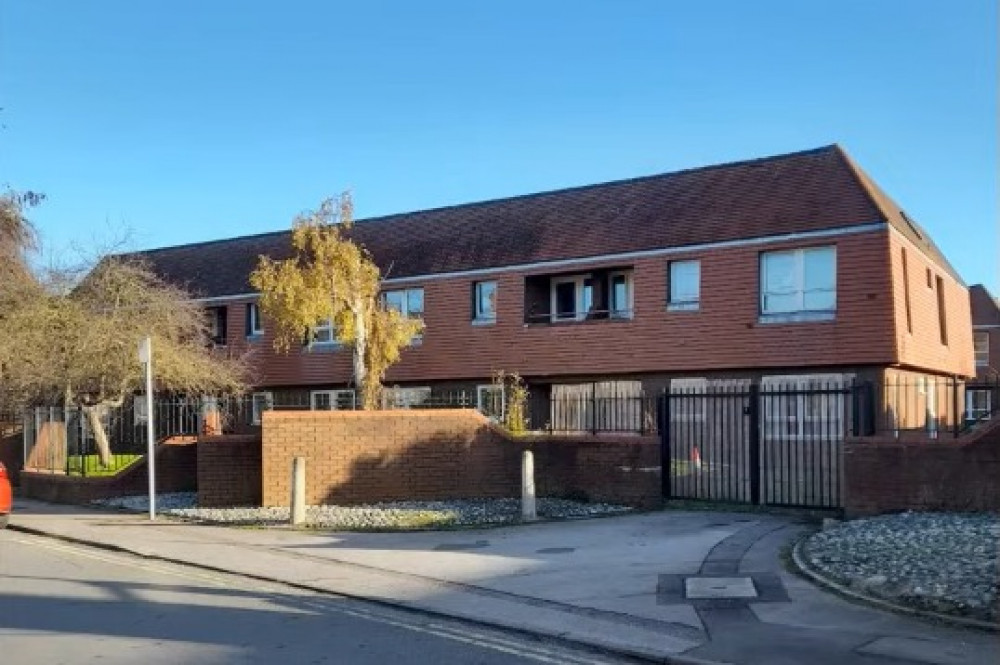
[934,407]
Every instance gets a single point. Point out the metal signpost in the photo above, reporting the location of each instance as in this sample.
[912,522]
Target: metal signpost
[146,358]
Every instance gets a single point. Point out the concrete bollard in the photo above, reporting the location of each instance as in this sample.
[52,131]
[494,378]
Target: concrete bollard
[528,512]
[299,490]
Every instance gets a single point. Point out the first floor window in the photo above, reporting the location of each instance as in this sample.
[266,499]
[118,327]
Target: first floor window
[408,302]
[572,298]
[254,326]
[798,281]
[684,285]
[620,291]
[217,323]
[331,400]
[260,402]
[485,302]
[322,332]
[981,341]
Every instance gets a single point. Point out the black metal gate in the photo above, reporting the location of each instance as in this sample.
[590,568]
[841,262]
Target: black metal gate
[776,444]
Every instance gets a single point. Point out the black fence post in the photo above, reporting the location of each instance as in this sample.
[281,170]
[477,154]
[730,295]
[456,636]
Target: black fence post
[663,420]
[593,408]
[754,413]
[955,415]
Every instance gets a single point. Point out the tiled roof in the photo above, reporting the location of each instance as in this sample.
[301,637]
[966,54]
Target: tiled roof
[804,191]
[985,308]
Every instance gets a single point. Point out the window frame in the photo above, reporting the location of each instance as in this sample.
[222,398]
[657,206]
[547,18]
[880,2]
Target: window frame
[683,305]
[255,328]
[391,399]
[985,352]
[255,410]
[220,325]
[614,310]
[334,396]
[580,286]
[478,315]
[972,413]
[799,291]
[323,325]
[802,384]
[405,310]
[486,388]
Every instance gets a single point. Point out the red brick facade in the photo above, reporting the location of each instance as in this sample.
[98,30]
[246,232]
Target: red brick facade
[885,475]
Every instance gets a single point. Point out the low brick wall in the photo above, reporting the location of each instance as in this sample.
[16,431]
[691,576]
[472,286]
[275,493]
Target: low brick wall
[623,470]
[229,471]
[365,457]
[885,475]
[361,457]
[176,471]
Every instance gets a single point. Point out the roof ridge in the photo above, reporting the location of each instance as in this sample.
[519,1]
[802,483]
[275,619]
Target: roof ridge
[518,197]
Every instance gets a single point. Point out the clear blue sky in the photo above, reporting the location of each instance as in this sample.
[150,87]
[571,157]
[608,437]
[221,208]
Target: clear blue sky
[193,120]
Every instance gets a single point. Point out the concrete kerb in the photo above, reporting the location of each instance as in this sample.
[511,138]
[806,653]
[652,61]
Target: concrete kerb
[865,599]
[594,644]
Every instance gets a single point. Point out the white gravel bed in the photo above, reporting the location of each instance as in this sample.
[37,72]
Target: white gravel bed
[379,516]
[940,562]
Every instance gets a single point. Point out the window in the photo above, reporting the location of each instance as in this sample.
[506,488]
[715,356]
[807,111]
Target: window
[491,402]
[572,298]
[331,400]
[942,313]
[798,284]
[977,404]
[799,406]
[484,308]
[930,279]
[322,333]
[981,341]
[261,402]
[684,408]
[254,326]
[405,398]
[906,293]
[217,325]
[408,302]
[684,283]
[620,295]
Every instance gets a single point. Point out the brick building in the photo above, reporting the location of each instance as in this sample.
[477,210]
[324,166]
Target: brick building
[792,268]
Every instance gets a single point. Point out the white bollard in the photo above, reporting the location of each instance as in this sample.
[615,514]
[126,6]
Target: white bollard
[528,512]
[299,490]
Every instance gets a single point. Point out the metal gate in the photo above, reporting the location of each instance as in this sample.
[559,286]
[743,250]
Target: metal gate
[776,444]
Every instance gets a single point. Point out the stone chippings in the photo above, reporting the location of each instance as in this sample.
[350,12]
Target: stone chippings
[941,562]
[391,515]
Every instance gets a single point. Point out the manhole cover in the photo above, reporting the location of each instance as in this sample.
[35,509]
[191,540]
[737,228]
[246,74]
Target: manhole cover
[719,587]
[458,547]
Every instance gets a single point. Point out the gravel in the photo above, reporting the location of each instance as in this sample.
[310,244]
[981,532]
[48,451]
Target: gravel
[941,562]
[380,516]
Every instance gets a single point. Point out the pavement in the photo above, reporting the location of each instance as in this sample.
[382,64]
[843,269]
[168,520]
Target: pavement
[668,586]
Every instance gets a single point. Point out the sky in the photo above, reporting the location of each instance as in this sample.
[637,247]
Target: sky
[182,121]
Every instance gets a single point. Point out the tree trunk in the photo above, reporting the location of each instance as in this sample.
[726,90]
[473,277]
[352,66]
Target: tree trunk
[360,351]
[93,415]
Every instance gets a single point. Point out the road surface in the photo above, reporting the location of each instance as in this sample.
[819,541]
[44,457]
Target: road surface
[63,603]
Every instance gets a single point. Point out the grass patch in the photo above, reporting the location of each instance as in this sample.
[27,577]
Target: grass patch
[90,465]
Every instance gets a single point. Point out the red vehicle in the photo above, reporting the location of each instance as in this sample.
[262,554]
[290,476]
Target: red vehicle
[6,496]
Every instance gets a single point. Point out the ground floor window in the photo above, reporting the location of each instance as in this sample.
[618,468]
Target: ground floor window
[331,400]
[977,404]
[260,402]
[405,398]
[491,401]
[804,406]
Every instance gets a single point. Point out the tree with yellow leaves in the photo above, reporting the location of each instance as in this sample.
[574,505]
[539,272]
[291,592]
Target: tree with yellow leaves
[332,278]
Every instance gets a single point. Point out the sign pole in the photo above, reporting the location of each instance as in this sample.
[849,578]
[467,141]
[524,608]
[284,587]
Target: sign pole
[146,357]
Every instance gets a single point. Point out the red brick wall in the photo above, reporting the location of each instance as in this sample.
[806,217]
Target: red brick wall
[725,334]
[229,471]
[623,470]
[366,457]
[885,475]
[176,471]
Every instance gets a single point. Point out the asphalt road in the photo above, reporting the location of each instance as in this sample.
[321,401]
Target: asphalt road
[62,603]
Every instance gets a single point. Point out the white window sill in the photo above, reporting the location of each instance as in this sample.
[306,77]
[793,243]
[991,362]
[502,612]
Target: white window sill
[797,317]
[484,322]
[324,347]
[683,307]
[255,337]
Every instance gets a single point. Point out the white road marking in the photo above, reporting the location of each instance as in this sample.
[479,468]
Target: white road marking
[532,652]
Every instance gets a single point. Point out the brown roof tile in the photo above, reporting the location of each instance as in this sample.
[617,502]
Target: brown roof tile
[804,191]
